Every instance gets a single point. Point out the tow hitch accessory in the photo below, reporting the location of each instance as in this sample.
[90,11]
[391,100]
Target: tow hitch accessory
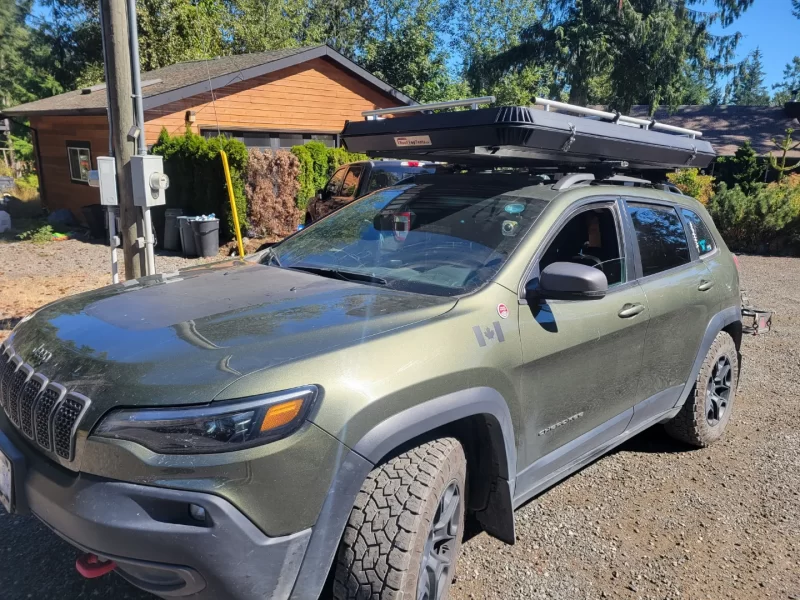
[754,320]
[92,567]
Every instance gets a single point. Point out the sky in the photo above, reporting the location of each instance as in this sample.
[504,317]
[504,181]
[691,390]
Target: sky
[769,25]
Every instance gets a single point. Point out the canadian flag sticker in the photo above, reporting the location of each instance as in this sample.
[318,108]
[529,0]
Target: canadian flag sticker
[502,310]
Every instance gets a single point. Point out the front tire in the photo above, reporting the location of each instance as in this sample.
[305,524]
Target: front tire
[404,533]
[707,410]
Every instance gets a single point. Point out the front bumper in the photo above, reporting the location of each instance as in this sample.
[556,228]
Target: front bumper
[150,534]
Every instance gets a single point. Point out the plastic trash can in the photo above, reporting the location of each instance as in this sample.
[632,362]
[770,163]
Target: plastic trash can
[206,236]
[94,215]
[187,236]
[172,234]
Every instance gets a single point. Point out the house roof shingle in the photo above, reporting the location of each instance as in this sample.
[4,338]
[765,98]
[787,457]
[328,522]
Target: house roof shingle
[727,127]
[189,78]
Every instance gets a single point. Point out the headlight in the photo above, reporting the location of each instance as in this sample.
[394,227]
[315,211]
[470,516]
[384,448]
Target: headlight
[220,427]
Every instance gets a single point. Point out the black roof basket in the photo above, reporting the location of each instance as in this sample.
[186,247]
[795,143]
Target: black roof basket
[574,138]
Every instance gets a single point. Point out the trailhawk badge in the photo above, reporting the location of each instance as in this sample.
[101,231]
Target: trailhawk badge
[412,140]
[502,310]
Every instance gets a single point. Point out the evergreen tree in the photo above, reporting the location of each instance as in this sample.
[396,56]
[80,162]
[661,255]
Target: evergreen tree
[486,29]
[22,56]
[404,48]
[747,86]
[790,82]
[644,51]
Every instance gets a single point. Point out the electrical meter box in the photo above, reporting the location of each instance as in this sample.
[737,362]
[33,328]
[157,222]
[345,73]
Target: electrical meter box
[149,180]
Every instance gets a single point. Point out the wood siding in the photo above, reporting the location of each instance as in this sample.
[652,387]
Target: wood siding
[316,96]
[58,190]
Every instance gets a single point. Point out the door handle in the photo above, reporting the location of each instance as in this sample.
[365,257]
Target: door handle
[630,310]
[705,285]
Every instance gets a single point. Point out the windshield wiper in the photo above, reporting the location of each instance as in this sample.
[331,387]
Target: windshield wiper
[272,257]
[341,274]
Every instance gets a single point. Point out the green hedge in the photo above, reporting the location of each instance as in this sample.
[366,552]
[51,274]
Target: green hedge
[754,222]
[197,179]
[317,164]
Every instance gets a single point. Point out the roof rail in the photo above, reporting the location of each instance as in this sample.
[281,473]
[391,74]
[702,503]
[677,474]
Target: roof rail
[471,102]
[572,179]
[615,117]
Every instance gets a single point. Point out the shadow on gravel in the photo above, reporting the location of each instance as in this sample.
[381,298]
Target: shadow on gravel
[655,440]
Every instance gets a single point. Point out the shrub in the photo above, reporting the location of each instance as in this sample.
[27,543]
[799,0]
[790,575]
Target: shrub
[743,168]
[691,183]
[751,222]
[28,182]
[272,188]
[317,164]
[197,179]
[38,235]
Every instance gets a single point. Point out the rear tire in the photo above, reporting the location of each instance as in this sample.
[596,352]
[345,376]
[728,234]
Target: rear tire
[707,410]
[405,527]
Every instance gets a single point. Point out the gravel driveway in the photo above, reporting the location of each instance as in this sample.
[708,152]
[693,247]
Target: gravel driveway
[654,520]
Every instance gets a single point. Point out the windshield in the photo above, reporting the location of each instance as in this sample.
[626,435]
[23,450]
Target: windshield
[445,234]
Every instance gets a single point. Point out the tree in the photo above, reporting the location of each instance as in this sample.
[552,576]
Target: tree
[343,24]
[747,86]
[404,48]
[636,51]
[790,83]
[483,30]
[796,8]
[786,145]
[743,169]
[22,78]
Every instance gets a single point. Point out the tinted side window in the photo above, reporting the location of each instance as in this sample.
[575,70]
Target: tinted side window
[351,182]
[332,189]
[383,177]
[662,241]
[698,232]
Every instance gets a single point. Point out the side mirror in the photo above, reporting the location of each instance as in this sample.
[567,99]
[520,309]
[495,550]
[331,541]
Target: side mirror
[568,281]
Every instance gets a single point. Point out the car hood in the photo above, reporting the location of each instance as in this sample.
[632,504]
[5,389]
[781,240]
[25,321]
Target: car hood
[183,337]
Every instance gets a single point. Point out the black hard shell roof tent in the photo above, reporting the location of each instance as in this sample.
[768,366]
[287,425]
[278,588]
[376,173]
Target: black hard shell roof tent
[571,140]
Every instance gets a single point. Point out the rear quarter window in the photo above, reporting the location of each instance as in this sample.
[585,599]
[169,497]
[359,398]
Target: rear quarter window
[698,232]
[662,240]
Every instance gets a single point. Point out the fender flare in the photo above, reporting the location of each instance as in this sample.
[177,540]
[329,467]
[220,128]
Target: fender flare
[718,322]
[382,439]
[422,418]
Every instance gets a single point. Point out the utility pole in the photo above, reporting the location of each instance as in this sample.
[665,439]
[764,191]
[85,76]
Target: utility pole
[114,15]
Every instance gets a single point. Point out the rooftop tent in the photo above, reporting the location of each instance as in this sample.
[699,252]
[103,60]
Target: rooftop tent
[520,135]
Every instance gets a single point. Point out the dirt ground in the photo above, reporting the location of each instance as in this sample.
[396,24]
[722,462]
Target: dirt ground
[654,520]
[32,275]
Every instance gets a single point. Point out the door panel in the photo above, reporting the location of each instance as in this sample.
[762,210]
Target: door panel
[680,293]
[581,365]
[679,313]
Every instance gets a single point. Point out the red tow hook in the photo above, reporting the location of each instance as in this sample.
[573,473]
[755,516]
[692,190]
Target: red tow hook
[91,567]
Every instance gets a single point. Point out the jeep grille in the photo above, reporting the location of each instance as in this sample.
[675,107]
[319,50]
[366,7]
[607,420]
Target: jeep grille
[44,411]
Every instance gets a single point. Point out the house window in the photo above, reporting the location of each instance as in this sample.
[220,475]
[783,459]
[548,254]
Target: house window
[270,140]
[80,161]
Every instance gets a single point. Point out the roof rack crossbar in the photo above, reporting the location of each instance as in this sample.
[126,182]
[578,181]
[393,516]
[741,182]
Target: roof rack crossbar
[471,102]
[615,117]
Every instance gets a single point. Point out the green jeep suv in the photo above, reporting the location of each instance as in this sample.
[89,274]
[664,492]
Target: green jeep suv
[322,418]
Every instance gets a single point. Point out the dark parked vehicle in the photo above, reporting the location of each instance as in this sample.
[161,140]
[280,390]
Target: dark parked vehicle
[321,419]
[358,179]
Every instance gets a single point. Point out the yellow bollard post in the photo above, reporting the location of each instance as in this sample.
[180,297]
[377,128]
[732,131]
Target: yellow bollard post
[233,201]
